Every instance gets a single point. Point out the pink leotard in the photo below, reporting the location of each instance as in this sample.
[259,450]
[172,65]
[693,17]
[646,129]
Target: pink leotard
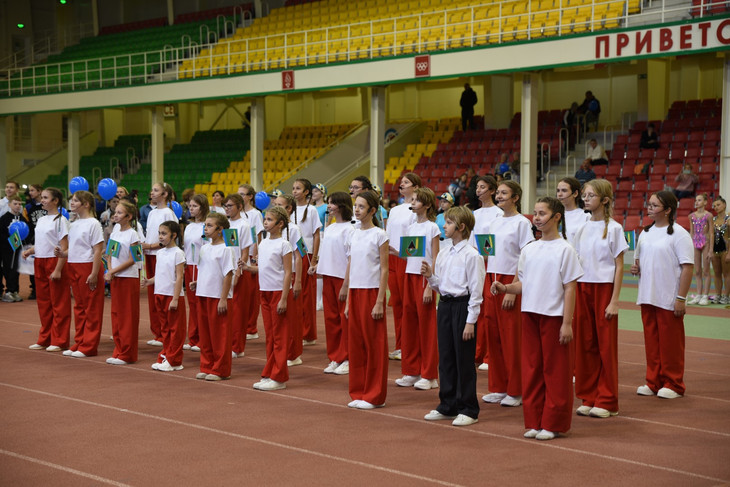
[698,224]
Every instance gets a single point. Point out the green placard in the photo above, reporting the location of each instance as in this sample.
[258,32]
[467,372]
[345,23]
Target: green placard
[631,239]
[230,237]
[485,244]
[413,246]
[113,248]
[136,251]
[15,241]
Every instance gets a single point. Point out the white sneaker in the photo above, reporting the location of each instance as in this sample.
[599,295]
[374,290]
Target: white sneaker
[426,384]
[78,354]
[408,380]
[494,397]
[464,420]
[8,298]
[644,391]
[319,306]
[704,300]
[115,361]
[434,415]
[695,299]
[353,404]
[252,336]
[166,367]
[602,413]
[343,368]
[154,343]
[583,411]
[484,366]
[394,355]
[195,348]
[667,393]
[545,435]
[258,384]
[309,343]
[295,362]
[367,405]
[511,401]
[186,346]
[272,385]
[67,353]
[17,298]
[531,433]
[53,348]
[36,346]
[330,369]
[155,365]
[234,354]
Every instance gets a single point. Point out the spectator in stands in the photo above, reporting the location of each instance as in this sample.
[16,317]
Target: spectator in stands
[467,102]
[471,192]
[649,138]
[596,155]
[585,173]
[591,109]
[570,121]
[514,168]
[458,188]
[686,181]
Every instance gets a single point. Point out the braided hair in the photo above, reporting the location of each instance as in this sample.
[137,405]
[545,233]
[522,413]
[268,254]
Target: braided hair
[281,215]
[308,188]
[57,195]
[669,202]
[603,190]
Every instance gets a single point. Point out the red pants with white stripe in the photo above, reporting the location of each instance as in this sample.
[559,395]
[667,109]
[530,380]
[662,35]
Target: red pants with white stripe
[252,302]
[239,313]
[294,323]
[596,347]
[215,337]
[396,283]
[547,398]
[172,327]
[308,301]
[88,307]
[335,323]
[191,274]
[482,330]
[664,343]
[504,341]
[125,318]
[275,327]
[150,261]
[368,349]
[53,299]
[419,336]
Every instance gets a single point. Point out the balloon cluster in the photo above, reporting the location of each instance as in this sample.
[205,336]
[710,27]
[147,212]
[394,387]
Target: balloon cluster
[21,228]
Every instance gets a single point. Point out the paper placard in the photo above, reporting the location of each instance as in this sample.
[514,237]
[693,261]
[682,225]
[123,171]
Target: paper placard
[230,237]
[413,246]
[630,237]
[485,244]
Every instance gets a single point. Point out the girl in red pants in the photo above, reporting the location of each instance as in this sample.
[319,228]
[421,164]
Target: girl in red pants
[546,278]
[192,243]
[85,246]
[256,222]
[274,273]
[307,219]
[169,275]
[233,205]
[366,280]
[52,284]
[123,275]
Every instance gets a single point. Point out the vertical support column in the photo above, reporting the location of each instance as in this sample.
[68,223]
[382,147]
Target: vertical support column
[95,16]
[642,96]
[170,12]
[258,130]
[72,131]
[377,134]
[157,149]
[528,145]
[3,152]
[658,71]
[724,176]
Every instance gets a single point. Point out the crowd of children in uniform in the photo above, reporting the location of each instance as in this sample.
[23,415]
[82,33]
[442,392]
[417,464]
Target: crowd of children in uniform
[535,313]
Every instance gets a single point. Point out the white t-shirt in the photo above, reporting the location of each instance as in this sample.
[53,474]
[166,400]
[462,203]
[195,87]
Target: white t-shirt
[82,236]
[511,234]
[308,227]
[332,250]
[167,260]
[364,252]
[48,232]
[193,242]
[574,220]
[598,255]
[482,218]
[245,239]
[218,209]
[429,230]
[660,258]
[544,267]
[126,239]
[156,217]
[254,220]
[399,219]
[215,262]
[292,234]
[271,263]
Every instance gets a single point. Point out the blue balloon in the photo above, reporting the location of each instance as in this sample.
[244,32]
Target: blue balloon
[64,212]
[176,209]
[78,184]
[503,168]
[21,228]
[107,188]
[262,200]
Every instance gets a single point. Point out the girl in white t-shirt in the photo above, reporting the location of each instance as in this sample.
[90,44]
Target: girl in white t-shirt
[192,243]
[123,275]
[486,189]
[512,232]
[255,220]
[292,234]
[169,274]
[600,244]
[664,260]
[307,219]
[399,219]
[546,278]
[85,246]
[274,273]
[160,197]
[365,280]
[419,340]
[568,193]
[53,294]
[332,267]
[233,204]
[213,286]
